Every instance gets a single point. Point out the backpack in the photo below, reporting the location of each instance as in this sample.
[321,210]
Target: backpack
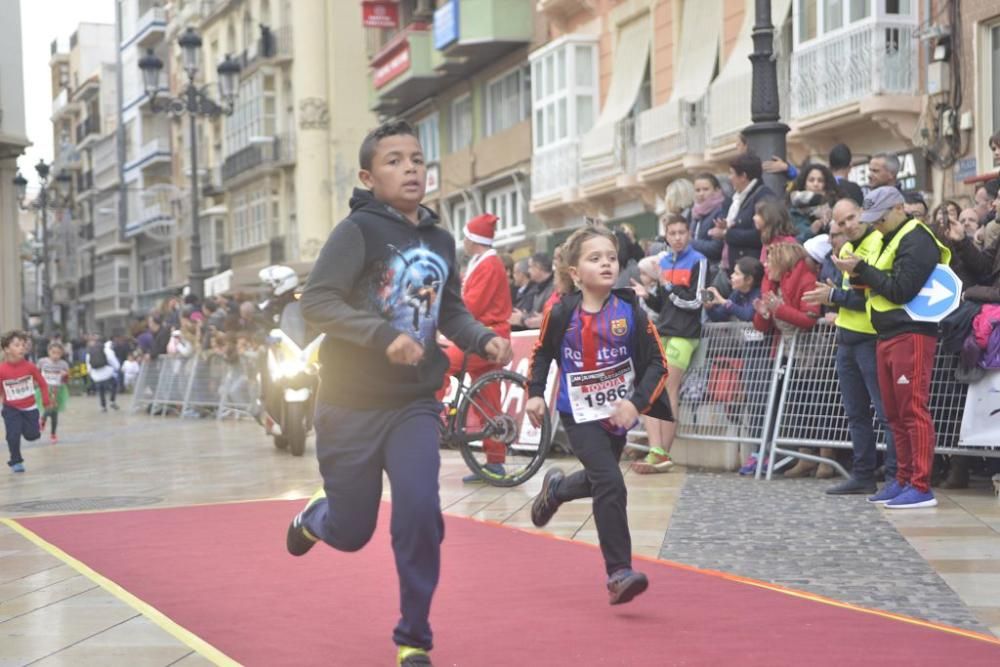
[991,359]
[97,357]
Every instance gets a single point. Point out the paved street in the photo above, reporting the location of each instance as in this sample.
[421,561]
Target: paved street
[785,532]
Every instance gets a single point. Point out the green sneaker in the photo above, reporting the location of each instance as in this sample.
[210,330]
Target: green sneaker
[299,540]
[656,461]
[411,656]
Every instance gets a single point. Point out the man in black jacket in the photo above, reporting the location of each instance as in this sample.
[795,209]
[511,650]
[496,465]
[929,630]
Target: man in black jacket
[742,238]
[905,349]
[384,284]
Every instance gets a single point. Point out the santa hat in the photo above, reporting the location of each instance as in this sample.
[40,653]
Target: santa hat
[481,229]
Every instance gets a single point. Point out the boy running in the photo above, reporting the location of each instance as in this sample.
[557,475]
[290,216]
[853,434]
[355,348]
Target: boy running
[612,370]
[18,377]
[55,370]
[383,285]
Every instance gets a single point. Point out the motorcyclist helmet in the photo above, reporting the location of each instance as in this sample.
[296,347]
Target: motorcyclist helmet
[281,279]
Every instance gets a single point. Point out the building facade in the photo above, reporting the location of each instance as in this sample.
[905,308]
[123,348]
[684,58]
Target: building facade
[13,140]
[84,118]
[459,72]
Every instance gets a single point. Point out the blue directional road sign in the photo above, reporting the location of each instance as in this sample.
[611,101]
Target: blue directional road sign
[938,298]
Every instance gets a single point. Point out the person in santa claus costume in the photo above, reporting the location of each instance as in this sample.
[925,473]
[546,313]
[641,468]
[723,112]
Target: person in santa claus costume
[486,293]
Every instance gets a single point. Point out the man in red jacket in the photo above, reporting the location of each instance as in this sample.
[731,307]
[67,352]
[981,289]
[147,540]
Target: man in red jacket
[486,293]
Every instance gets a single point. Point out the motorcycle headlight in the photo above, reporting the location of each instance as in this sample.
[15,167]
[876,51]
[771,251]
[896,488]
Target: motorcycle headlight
[291,367]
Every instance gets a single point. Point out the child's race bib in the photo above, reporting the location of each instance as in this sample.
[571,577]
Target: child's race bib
[53,376]
[19,389]
[592,394]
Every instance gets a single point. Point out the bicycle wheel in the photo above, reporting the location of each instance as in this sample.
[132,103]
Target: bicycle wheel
[492,427]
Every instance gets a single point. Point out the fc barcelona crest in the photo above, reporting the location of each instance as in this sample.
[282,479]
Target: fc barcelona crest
[619,327]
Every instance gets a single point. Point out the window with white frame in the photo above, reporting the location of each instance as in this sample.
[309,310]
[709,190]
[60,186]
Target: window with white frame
[505,203]
[461,123]
[251,219]
[508,100]
[988,91]
[564,91]
[816,18]
[254,113]
[427,132]
[459,216]
[155,270]
[213,241]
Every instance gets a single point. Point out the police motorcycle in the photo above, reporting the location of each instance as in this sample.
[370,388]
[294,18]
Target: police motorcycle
[289,372]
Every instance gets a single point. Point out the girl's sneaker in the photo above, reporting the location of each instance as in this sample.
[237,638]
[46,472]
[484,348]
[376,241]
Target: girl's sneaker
[17,467]
[54,438]
[656,461]
[750,467]
[625,584]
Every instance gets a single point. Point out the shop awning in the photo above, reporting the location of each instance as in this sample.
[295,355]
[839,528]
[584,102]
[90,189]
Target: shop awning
[729,95]
[630,60]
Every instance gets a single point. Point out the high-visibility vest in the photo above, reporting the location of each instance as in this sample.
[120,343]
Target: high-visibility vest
[859,320]
[888,256]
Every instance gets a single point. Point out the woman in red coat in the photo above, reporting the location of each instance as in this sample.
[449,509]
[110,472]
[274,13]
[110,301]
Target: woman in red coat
[789,277]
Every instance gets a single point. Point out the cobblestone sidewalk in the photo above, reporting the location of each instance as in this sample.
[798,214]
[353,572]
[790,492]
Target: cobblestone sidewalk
[789,532]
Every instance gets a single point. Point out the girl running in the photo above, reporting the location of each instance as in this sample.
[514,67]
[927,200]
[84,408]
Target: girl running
[55,370]
[612,370]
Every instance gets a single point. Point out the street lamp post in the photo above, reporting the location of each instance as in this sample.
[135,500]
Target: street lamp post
[51,195]
[766,136]
[195,102]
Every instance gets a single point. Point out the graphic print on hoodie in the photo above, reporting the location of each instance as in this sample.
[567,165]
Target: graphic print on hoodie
[407,290]
[379,276]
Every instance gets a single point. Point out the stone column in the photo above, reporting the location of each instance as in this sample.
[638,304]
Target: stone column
[312,122]
[10,249]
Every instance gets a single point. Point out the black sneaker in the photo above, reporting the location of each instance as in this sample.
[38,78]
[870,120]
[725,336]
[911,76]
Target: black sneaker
[546,505]
[299,540]
[851,486]
[624,585]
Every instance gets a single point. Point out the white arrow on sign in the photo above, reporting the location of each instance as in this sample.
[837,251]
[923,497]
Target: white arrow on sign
[936,293]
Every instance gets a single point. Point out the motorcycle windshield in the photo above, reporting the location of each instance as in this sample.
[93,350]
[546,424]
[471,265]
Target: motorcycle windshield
[294,324]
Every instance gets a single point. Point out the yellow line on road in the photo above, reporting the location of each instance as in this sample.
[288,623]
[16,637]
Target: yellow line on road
[180,633]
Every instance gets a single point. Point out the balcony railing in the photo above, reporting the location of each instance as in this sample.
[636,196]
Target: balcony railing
[669,131]
[555,169]
[275,43]
[280,149]
[873,58]
[85,285]
[60,101]
[89,125]
[86,232]
[84,182]
[619,162]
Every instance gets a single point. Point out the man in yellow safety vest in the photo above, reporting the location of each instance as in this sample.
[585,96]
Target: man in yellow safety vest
[905,349]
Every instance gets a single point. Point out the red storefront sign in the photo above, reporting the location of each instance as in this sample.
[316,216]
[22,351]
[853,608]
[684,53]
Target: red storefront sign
[393,64]
[380,13]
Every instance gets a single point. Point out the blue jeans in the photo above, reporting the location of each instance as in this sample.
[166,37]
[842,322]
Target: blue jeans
[19,423]
[859,390]
[353,448]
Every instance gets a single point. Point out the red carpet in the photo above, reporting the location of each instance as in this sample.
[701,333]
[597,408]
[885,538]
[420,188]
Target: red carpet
[507,597]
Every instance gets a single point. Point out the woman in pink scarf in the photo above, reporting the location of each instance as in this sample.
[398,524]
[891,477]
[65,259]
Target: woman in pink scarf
[710,204]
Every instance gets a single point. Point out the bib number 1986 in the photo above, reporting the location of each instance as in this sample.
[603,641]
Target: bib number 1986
[592,394]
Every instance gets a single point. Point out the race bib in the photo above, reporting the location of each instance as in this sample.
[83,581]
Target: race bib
[592,394]
[19,389]
[52,376]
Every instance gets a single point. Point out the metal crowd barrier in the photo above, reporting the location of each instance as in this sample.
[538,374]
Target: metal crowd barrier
[780,393]
[196,386]
[810,412]
[730,390]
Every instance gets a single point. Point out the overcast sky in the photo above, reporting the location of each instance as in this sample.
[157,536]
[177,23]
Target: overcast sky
[41,22]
